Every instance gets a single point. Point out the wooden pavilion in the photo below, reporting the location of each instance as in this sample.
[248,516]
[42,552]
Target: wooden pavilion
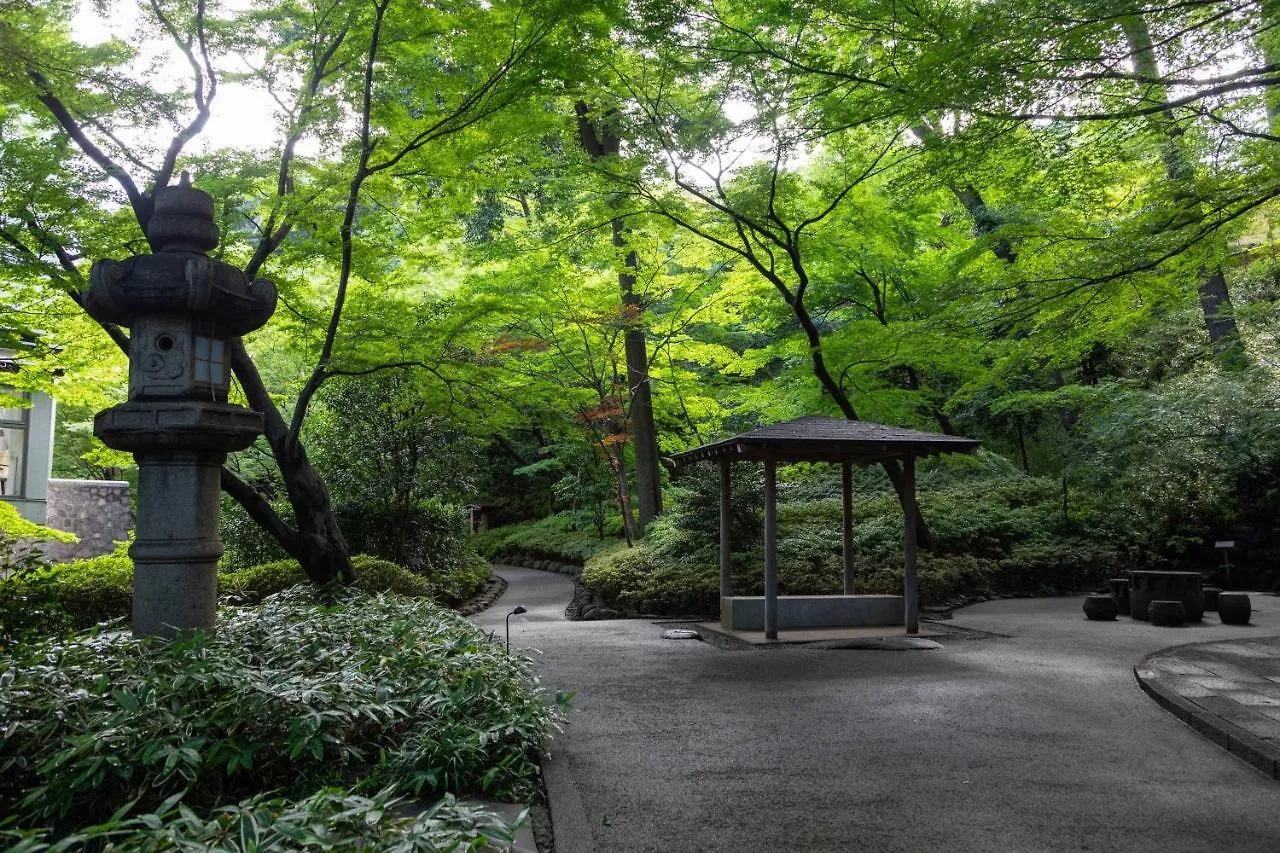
[822,439]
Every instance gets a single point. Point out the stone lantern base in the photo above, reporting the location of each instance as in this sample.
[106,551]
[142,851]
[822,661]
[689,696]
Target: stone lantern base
[180,447]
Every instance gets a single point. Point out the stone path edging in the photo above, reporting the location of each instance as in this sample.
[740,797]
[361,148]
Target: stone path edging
[492,590]
[1176,683]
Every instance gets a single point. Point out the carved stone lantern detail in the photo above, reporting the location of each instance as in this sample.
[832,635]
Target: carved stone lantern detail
[182,309]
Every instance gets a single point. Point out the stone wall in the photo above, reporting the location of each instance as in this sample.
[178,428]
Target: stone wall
[97,511]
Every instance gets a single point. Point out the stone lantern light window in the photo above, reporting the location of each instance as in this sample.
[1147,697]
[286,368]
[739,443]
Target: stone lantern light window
[211,360]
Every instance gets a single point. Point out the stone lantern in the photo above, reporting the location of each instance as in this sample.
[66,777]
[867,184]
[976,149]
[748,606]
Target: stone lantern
[182,308]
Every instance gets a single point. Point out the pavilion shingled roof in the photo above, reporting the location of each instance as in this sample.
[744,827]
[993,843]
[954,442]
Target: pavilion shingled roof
[821,439]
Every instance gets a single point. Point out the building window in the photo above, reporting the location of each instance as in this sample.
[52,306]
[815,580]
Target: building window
[14,428]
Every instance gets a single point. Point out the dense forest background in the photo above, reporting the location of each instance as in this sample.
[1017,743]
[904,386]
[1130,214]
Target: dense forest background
[527,250]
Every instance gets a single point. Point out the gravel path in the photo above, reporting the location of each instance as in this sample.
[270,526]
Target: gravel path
[1036,742]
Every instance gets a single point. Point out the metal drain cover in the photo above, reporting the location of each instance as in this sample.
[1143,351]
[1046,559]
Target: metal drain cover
[680,634]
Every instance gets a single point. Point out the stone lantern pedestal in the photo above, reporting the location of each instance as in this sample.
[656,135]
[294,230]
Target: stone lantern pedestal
[182,309]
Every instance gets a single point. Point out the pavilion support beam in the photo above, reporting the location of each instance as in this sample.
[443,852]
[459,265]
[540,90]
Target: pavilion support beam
[911,601]
[846,483]
[726,545]
[771,550]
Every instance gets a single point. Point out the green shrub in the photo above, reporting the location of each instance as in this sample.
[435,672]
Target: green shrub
[51,599]
[13,526]
[372,575]
[634,580]
[619,575]
[427,536]
[329,820]
[245,542]
[27,607]
[996,531]
[290,696]
[689,528]
[567,537]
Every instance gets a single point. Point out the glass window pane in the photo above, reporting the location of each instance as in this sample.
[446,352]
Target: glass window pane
[202,370]
[202,347]
[12,446]
[13,414]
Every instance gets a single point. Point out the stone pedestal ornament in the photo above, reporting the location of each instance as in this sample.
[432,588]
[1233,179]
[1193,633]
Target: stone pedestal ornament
[1234,608]
[1211,597]
[1101,607]
[1166,613]
[182,308]
[1119,588]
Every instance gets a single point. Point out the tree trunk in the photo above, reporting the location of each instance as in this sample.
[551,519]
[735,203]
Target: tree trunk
[1022,447]
[598,142]
[315,542]
[891,467]
[624,493]
[1215,299]
[643,431]
[985,220]
[944,421]
[1268,44]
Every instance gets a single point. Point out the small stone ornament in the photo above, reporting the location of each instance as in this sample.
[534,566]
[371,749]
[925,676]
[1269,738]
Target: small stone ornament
[1101,607]
[1234,608]
[1167,613]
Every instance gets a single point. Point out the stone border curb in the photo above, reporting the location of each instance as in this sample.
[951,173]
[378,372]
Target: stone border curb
[1259,754]
[492,590]
[569,823]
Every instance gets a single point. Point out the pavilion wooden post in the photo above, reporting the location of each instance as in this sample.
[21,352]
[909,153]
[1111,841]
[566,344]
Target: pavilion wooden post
[910,591]
[726,486]
[771,550]
[846,482]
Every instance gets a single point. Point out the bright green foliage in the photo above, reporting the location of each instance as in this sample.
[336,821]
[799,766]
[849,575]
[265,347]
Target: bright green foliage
[14,526]
[564,537]
[292,696]
[994,219]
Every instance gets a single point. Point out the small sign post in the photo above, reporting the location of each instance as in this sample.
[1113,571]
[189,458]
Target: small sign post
[1225,546]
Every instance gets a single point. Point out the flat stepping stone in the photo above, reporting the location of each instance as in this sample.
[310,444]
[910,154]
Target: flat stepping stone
[680,634]
[879,644]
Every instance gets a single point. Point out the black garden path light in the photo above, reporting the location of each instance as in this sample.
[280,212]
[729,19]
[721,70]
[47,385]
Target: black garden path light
[519,608]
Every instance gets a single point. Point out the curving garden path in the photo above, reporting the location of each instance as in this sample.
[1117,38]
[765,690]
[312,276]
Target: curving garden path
[1037,741]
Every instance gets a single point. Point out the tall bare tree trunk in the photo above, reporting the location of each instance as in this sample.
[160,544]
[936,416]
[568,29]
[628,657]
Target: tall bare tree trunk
[599,141]
[1215,299]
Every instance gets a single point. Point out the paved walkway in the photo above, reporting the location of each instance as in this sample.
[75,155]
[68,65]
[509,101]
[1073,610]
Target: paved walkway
[1229,691]
[1039,741]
